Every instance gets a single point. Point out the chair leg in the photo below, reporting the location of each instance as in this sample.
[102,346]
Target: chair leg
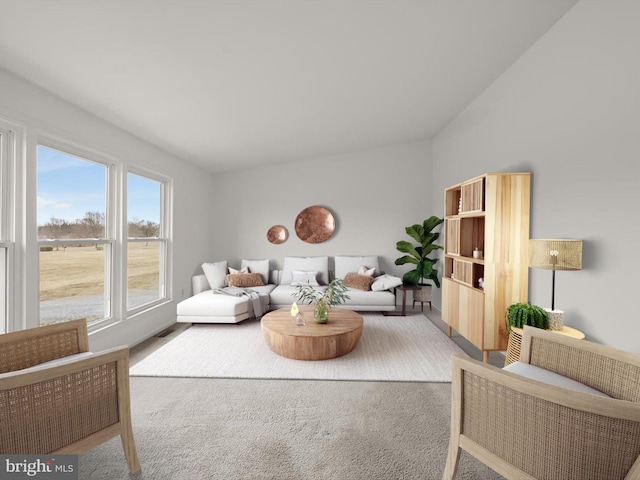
[453,457]
[130,452]
[124,411]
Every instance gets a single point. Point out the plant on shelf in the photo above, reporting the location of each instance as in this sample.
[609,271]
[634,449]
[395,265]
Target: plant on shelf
[521,314]
[418,255]
[334,294]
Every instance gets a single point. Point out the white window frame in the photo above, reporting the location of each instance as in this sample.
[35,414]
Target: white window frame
[164,238]
[11,288]
[6,246]
[108,242]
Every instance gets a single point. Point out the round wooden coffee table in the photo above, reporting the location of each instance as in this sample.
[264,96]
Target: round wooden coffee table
[313,341]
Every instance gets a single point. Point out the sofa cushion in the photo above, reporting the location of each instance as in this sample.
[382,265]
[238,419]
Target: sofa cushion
[284,295]
[244,280]
[209,304]
[370,300]
[551,378]
[385,282]
[258,266]
[361,282]
[305,264]
[212,304]
[304,278]
[351,264]
[216,273]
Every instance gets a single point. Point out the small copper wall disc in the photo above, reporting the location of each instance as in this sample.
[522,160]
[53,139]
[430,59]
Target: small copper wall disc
[277,234]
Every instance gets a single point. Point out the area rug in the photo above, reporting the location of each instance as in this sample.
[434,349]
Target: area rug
[410,349]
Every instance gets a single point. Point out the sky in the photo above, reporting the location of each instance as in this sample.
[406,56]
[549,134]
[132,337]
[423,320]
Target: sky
[69,186]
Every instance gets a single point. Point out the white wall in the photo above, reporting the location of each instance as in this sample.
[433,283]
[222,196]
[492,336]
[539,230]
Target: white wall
[373,195]
[40,112]
[569,112]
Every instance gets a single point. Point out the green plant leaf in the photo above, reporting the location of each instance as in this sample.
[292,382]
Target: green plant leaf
[406,247]
[416,232]
[411,277]
[429,239]
[334,294]
[406,259]
[431,223]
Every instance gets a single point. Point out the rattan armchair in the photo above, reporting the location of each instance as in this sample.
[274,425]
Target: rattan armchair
[64,407]
[525,429]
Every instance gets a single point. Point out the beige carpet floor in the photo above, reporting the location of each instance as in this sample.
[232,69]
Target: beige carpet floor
[238,429]
[407,348]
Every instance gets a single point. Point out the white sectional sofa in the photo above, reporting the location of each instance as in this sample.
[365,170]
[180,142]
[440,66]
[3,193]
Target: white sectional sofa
[205,306]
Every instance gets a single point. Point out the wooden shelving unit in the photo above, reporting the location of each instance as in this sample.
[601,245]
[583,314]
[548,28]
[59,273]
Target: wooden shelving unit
[490,214]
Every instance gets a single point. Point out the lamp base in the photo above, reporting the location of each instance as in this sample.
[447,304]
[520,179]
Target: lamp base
[556,319]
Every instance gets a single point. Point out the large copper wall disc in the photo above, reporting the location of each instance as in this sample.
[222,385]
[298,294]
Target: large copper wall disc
[315,224]
[277,234]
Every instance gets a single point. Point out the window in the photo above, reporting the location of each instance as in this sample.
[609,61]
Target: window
[146,241]
[104,250]
[75,235]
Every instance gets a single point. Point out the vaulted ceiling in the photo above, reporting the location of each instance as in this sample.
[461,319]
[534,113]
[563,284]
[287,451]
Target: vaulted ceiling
[234,84]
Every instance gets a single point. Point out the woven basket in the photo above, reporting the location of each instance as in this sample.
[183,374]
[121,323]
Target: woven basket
[423,295]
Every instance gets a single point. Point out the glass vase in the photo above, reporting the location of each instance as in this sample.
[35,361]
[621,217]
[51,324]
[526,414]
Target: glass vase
[321,313]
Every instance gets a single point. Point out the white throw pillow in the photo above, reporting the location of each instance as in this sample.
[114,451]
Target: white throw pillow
[385,282]
[305,264]
[216,273]
[367,272]
[351,264]
[258,266]
[233,271]
[304,278]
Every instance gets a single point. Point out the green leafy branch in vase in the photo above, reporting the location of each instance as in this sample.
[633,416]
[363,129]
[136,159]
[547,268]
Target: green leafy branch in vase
[334,294]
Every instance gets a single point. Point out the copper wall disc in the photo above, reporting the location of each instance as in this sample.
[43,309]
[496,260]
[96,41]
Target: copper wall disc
[315,224]
[277,234]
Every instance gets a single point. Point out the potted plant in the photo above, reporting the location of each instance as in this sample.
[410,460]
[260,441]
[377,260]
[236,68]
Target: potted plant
[521,314]
[518,315]
[418,255]
[334,294]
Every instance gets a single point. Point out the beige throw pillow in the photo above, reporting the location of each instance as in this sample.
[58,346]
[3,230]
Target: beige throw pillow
[244,280]
[361,282]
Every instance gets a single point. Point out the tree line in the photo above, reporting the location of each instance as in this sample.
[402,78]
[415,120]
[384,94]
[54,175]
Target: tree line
[92,225]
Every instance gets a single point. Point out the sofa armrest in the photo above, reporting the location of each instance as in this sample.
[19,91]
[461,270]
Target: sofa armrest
[199,284]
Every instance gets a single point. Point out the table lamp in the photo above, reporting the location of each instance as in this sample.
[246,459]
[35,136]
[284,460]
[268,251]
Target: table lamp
[555,254]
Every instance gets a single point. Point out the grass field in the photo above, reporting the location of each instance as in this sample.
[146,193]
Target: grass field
[79,271]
